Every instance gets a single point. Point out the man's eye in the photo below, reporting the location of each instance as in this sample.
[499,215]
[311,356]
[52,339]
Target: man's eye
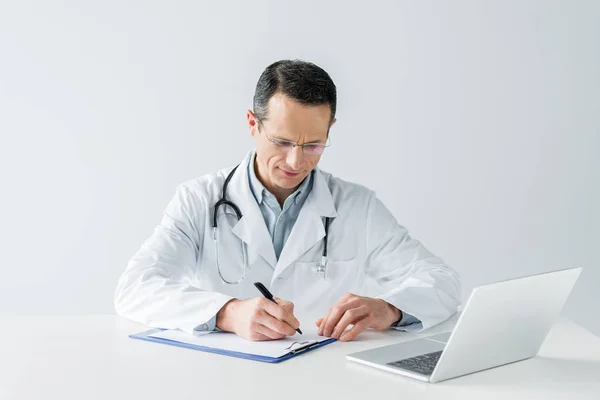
[283,143]
[313,148]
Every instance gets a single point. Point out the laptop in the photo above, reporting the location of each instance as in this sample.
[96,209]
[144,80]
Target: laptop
[501,323]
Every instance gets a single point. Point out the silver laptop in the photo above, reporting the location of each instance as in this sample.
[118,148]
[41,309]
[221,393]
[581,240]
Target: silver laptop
[501,323]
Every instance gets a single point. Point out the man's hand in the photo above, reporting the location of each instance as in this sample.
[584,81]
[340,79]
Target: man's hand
[362,312]
[258,318]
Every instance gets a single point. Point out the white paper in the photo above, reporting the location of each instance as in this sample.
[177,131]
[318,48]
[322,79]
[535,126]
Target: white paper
[231,342]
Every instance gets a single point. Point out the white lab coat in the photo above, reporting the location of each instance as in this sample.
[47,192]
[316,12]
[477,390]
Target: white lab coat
[172,281]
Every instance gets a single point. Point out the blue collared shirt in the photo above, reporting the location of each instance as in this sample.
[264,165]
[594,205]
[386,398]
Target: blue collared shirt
[280,221]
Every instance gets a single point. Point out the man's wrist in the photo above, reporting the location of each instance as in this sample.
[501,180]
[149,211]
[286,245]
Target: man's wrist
[396,314]
[224,321]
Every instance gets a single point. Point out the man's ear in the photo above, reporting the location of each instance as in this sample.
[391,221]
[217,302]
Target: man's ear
[252,122]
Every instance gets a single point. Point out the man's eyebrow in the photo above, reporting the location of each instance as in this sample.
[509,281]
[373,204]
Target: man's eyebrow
[316,142]
[311,142]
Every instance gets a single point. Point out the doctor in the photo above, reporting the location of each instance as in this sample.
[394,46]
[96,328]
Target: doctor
[316,241]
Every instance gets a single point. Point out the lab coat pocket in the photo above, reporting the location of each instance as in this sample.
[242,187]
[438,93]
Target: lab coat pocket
[317,293]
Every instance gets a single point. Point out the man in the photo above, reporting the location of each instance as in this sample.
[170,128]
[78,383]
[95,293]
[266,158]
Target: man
[313,239]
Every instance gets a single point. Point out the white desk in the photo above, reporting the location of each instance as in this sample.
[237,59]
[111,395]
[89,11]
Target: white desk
[93,358]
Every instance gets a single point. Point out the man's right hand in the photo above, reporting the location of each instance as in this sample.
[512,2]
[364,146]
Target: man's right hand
[258,318]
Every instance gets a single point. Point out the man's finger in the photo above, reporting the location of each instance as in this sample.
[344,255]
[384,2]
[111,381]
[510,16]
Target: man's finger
[268,333]
[334,317]
[277,325]
[323,322]
[288,305]
[288,308]
[318,322]
[282,315]
[351,316]
[356,329]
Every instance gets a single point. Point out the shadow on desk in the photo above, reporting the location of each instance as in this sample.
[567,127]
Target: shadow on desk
[552,374]
[536,375]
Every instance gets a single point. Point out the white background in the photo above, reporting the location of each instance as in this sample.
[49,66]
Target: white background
[477,123]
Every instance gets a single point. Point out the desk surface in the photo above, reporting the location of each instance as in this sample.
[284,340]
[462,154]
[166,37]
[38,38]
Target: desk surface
[92,357]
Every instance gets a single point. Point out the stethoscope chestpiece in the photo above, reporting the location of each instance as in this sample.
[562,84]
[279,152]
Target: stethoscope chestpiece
[322,267]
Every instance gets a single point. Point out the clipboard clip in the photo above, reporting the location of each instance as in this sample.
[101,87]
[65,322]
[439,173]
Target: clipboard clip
[301,349]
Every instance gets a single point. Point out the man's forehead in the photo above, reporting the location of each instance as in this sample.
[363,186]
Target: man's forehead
[283,110]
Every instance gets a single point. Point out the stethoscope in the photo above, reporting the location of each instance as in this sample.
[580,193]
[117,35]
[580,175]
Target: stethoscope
[321,266]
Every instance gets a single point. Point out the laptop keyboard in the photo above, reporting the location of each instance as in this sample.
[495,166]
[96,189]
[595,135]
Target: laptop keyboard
[423,364]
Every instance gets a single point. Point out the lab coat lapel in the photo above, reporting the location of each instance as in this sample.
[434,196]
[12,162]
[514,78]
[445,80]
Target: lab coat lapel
[251,228]
[309,228]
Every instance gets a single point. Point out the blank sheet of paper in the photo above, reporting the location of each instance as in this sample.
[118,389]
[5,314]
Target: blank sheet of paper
[231,342]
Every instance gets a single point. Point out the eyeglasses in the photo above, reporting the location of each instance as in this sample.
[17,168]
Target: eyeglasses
[309,149]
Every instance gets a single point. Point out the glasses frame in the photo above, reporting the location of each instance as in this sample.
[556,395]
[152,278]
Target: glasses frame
[280,142]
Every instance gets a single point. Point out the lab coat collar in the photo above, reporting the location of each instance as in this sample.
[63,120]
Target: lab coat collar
[258,189]
[251,228]
[321,194]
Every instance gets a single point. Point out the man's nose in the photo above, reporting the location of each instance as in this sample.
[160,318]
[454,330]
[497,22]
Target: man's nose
[295,158]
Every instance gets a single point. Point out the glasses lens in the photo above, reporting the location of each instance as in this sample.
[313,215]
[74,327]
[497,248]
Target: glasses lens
[283,145]
[314,149]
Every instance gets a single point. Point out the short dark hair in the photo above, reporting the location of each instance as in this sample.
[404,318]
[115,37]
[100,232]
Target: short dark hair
[299,80]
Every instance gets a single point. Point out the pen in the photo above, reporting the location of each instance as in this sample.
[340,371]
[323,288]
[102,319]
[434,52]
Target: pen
[265,292]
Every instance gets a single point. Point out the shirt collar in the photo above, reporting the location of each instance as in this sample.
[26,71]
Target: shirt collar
[259,190]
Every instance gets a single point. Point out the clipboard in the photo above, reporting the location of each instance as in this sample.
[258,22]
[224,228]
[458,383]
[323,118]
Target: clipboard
[297,350]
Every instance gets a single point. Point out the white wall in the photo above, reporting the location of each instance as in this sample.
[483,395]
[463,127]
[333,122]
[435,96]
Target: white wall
[476,122]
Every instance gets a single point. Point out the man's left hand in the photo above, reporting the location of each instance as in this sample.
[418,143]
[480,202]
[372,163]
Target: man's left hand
[362,312]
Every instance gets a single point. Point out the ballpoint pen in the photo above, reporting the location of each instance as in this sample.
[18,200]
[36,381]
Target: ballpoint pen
[265,292]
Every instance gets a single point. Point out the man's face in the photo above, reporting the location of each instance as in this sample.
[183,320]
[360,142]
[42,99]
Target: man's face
[290,121]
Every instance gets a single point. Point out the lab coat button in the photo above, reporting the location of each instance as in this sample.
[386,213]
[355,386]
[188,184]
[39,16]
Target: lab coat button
[204,327]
